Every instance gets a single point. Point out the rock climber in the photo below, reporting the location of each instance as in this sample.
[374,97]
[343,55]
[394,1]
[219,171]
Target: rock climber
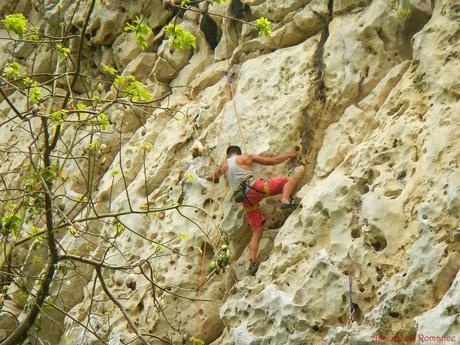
[237,167]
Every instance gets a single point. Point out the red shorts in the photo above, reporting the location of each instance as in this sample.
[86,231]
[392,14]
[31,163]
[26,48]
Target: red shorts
[255,194]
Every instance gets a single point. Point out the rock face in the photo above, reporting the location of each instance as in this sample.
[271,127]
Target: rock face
[371,98]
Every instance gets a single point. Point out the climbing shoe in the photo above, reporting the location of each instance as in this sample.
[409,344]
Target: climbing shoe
[287,205]
[253,267]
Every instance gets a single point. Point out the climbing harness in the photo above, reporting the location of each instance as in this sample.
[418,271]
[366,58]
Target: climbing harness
[240,194]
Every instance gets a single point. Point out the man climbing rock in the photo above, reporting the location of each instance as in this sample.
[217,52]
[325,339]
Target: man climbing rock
[238,169]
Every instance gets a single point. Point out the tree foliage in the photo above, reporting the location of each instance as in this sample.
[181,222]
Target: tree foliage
[16,23]
[141,32]
[66,116]
[181,38]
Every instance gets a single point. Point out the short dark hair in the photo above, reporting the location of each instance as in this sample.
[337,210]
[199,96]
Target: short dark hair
[233,149]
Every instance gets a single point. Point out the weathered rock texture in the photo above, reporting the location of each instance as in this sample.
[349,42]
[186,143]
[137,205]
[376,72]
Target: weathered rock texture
[372,99]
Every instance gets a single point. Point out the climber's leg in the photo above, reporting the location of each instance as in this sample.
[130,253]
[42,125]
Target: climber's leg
[282,185]
[254,244]
[256,220]
[288,188]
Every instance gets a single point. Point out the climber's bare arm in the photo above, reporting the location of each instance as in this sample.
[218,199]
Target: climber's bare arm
[218,172]
[273,160]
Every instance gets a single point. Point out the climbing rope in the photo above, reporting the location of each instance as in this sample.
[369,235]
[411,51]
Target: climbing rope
[243,142]
[232,83]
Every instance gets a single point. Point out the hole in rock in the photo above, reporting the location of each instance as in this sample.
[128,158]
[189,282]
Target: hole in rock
[140,305]
[401,175]
[393,194]
[207,204]
[355,233]
[414,23]
[379,244]
[394,314]
[363,188]
[210,31]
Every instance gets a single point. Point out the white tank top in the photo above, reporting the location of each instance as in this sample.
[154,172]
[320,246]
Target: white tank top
[236,174]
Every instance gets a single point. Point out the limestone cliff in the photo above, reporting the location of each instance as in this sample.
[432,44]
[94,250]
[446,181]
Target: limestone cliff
[372,99]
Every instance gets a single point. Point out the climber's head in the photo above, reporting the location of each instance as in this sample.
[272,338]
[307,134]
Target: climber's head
[233,150]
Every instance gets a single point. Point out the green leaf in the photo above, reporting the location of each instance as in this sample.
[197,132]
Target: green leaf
[120,228]
[81,106]
[37,260]
[190,177]
[264,26]
[28,82]
[133,88]
[62,51]
[137,92]
[94,146]
[82,198]
[58,116]
[146,146]
[33,34]
[11,70]
[35,230]
[109,70]
[17,23]
[103,121]
[141,32]
[35,95]
[184,236]
[196,341]
[181,38]
[11,221]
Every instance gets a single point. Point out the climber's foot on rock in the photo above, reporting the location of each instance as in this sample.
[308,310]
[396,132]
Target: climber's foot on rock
[253,267]
[291,204]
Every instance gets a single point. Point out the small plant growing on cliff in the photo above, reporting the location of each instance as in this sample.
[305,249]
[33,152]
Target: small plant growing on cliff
[196,341]
[181,38]
[264,26]
[141,32]
[402,7]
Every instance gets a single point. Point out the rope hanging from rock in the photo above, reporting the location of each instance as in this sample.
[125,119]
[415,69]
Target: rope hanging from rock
[231,82]
[243,143]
